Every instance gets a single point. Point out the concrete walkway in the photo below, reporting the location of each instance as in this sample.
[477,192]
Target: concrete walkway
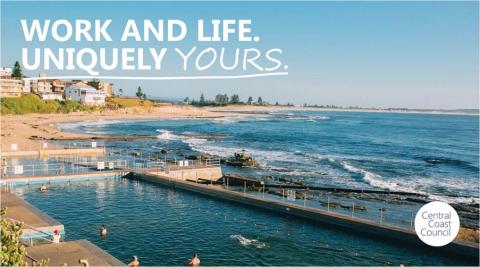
[70,253]
[37,223]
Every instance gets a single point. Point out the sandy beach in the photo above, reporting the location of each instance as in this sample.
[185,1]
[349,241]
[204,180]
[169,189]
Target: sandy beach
[27,131]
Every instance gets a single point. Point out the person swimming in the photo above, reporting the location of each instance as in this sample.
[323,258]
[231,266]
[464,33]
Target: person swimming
[43,188]
[103,230]
[134,262]
[195,260]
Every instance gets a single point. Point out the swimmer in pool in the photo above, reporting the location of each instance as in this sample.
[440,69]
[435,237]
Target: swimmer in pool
[134,262]
[43,188]
[103,230]
[195,260]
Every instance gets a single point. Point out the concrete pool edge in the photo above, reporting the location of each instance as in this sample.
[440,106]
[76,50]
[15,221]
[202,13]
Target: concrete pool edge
[39,225]
[357,225]
[6,181]
[70,252]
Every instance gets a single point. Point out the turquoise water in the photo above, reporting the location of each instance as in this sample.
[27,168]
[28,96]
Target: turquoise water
[164,227]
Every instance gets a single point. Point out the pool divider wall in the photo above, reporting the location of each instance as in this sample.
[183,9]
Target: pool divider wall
[352,224]
[61,178]
[54,152]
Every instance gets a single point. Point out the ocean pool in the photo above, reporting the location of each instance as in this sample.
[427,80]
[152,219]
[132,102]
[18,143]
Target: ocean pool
[164,227]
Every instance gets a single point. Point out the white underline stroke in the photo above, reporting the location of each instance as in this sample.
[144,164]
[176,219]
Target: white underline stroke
[218,77]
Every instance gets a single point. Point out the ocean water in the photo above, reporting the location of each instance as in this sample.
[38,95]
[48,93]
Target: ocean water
[432,154]
[164,227]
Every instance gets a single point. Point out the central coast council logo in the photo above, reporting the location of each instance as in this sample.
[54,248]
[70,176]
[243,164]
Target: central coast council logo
[437,224]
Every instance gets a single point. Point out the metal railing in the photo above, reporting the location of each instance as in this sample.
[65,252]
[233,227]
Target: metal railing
[81,166]
[377,213]
[142,165]
[29,241]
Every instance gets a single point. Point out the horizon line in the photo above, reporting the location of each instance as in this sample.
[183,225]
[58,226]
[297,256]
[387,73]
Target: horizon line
[207,77]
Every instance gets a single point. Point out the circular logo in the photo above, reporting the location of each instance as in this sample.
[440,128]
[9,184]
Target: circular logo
[437,224]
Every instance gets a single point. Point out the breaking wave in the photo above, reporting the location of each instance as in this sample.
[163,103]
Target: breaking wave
[376,180]
[167,135]
[372,178]
[248,242]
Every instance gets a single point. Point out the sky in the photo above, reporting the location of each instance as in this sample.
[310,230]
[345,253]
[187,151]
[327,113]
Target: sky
[368,54]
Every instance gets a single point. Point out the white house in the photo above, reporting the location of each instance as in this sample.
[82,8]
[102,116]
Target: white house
[51,96]
[85,94]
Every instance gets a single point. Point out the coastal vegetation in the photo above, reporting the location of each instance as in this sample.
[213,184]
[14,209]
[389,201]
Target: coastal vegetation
[128,102]
[32,103]
[13,253]
[223,100]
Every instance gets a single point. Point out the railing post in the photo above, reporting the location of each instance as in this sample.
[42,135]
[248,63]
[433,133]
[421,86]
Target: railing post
[283,194]
[411,221]
[263,189]
[328,204]
[244,187]
[305,198]
[381,215]
[353,208]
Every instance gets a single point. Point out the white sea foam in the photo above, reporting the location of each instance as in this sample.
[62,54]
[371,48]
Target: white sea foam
[248,242]
[378,181]
[225,120]
[167,135]
[371,178]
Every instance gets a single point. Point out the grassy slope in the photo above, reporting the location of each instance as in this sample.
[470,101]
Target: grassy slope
[31,103]
[129,102]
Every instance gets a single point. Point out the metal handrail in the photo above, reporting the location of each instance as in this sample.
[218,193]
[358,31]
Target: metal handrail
[67,167]
[35,230]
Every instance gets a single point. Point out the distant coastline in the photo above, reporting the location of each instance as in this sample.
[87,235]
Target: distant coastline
[245,108]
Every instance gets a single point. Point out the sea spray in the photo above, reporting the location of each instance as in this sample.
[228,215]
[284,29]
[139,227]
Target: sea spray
[246,242]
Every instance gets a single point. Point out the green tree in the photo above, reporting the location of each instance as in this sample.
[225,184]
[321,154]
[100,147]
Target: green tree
[17,71]
[202,99]
[139,93]
[186,100]
[221,99]
[260,100]
[120,92]
[95,83]
[250,100]
[13,253]
[235,99]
